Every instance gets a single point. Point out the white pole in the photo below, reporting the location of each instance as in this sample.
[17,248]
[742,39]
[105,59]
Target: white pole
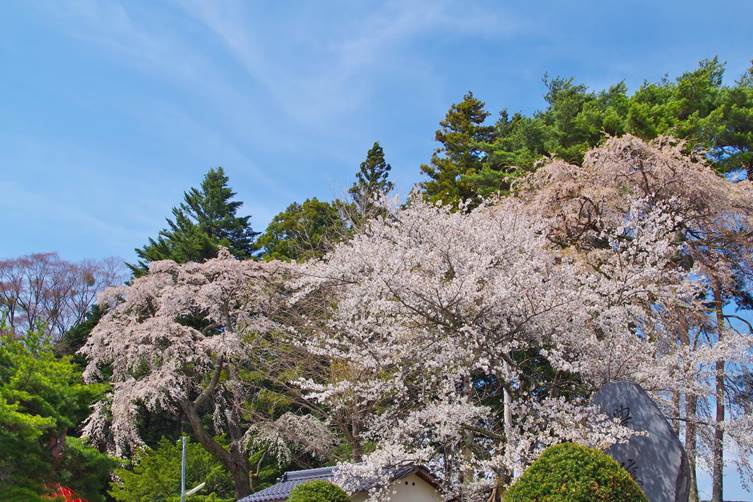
[183,472]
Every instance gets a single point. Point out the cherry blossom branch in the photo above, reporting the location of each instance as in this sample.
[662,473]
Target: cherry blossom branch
[209,389]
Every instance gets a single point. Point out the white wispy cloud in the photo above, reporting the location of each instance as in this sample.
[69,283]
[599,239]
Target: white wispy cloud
[237,82]
[154,45]
[310,69]
[319,67]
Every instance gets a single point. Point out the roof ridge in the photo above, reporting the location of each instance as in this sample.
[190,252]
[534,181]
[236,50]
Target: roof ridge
[312,471]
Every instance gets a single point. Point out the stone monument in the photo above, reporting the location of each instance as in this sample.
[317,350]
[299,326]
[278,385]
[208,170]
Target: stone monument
[656,461]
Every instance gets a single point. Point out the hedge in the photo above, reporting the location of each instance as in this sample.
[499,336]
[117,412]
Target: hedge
[318,491]
[570,472]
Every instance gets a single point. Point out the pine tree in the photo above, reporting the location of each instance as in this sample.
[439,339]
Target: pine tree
[696,107]
[371,180]
[204,221]
[733,128]
[312,228]
[462,135]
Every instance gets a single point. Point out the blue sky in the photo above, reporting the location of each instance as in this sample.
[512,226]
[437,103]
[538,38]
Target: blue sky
[110,110]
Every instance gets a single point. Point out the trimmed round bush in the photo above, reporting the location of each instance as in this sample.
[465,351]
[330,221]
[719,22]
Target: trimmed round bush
[318,491]
[571,472]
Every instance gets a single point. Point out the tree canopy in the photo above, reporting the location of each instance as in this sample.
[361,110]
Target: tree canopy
[476,158]
[598,270]
[155,475]
[42,399]
[607,236]
[303,231]
[313,228]
[197,341]
[460,158]
[205,221]
[42,289]
[372,181]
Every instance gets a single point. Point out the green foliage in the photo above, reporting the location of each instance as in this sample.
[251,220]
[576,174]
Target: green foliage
[309,230]
[23,461]
[75,338]
[265,469]
[372,180]
[41,399]
[303,231]
[731,125]
[477,160]
[85,470]
[21,494]
[460,158]
[155,475]
[570,472]
[318,491]
[204,221]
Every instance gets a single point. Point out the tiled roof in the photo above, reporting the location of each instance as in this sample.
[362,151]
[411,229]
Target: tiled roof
[290,479]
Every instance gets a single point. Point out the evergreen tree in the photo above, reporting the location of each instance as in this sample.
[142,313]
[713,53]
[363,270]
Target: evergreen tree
[372,180]
[154,474]
[733,127]
[204,221]
[578,119]
[697,107]
[575,120]
[463,136]
[303,231]
[76,337]
[42,399]
[310,229]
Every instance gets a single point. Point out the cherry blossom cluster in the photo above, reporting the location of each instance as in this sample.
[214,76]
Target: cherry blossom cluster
[176,341]
[433,306]
[466,341]
[585,276]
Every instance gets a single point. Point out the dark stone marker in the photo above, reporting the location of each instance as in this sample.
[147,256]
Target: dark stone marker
[656,461]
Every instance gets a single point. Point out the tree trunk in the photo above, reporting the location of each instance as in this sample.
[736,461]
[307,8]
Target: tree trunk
[676,411]
[691,427]
[467,449]
[507,399]
[691,405]
[234,460]
[239,469]
[717,479]
[356,441]
[717,493]
[348,423]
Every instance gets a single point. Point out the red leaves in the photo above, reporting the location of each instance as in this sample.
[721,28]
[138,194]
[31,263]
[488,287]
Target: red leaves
[67,494]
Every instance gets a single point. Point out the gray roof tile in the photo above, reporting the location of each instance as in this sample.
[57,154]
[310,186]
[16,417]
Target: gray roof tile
[291,479]
[288,481]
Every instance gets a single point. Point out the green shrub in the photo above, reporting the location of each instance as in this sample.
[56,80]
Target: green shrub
[570,472]
[85,470]
[318,491]
[155,475]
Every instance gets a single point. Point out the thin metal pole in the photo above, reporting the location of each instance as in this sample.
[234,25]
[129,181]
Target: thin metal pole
[183,472]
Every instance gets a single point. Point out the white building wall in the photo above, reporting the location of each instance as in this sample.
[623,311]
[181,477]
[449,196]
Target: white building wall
[409,489]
